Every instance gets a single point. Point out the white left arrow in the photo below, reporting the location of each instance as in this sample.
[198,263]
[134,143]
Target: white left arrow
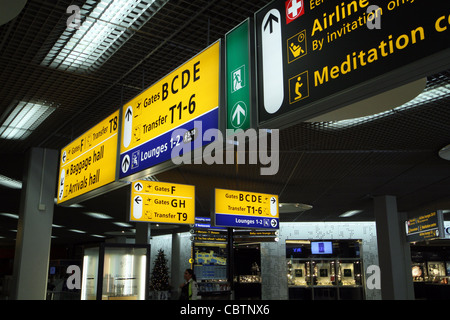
[237,113]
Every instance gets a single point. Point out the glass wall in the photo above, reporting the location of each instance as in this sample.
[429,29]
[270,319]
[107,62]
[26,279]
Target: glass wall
[119,270]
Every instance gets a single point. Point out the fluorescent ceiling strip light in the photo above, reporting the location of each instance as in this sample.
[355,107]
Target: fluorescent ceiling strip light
[123,224]
[77,231]
[97,236]
[23,120]
[97,215]
[9,215]
[101,34]
[10,183]
[426,96]
[350,213]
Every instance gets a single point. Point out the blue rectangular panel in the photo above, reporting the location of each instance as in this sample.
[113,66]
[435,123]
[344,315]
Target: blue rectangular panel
[232,220]
[159,149]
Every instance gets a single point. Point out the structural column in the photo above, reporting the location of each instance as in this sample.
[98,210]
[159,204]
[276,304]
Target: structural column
[143,233]
[393,250]
[176,267]
[34,230]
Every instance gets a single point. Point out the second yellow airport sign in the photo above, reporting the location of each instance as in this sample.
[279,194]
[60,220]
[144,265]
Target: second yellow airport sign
[161,202]
[246,209]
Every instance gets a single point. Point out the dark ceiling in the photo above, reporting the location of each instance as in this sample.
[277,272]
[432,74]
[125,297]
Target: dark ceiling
[332,169]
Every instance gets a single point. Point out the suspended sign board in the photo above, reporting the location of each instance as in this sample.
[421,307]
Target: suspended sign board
[185,101]
[239,77]
[427,227]
[161,202]
[316,56]
[88,165]
[242,209]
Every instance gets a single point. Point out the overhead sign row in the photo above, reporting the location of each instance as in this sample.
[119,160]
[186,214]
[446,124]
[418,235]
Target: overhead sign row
[158,125]
[310,57]
[162,202]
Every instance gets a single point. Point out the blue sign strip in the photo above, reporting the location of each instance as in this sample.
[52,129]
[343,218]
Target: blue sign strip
[159,149]
[232,220]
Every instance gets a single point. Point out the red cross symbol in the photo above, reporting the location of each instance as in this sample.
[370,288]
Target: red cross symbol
[294,9]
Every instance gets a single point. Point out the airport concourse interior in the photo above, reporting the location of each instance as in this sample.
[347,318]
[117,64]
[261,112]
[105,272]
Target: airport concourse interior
[292,150]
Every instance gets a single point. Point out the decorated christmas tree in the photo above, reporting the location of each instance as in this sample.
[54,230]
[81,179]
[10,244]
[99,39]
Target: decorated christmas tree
[159,280]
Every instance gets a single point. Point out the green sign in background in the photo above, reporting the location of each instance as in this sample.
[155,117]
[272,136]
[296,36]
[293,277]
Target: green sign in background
[238,77]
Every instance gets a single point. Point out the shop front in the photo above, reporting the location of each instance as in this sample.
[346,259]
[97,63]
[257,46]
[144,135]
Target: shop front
[324,270]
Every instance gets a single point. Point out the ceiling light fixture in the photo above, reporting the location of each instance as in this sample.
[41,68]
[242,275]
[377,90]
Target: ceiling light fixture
[350,213]
[97,236]
[9,215]
[107,26]
[444,153]
[293,207]
[23,120]
[426,96]
[77,231]
[123,224]
[97,215]
[10,183]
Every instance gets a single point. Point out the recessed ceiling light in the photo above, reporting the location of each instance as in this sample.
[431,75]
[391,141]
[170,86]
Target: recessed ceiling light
[293,207]
[77,231]
[107,26]
[9,215]
[426,96]
[98,215]
[10,183]
[23,120]
[57,226]
[97,236]
[123,224]
[350,213]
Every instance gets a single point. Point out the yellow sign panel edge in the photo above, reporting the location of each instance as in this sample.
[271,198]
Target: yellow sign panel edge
[133,193]
[214,205]
[124,107]
[105,187]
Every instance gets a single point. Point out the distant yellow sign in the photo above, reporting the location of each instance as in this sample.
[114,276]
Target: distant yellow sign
[162,202]
[89,162]
[246,209]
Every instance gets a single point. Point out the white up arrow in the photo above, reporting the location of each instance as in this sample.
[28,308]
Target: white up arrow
[237,113]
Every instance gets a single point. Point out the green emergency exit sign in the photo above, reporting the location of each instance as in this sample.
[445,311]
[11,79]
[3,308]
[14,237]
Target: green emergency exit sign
[238,73]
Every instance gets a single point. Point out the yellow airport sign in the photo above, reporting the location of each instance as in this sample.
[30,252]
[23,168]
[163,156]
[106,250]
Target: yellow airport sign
[90,161]
[188,95]
[246,209]
[161,202]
